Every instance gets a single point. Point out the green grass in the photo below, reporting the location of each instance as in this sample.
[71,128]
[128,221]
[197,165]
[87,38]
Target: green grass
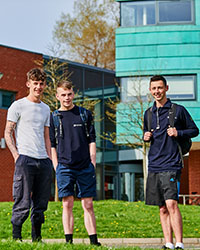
[115,219]
[32,246]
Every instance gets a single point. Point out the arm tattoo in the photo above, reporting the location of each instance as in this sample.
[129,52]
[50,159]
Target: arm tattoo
[10,127]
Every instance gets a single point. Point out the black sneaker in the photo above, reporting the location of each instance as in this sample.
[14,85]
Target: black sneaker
[17,239]
[37,239]
[69,243]
[36,232]
[179,248]
[164,247]
[96,244]
[16,232]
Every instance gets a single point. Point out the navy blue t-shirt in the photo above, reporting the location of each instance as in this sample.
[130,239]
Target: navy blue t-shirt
[73,147]
[164,153]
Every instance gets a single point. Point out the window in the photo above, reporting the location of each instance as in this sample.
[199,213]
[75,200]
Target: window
[175,11]
[137,13]
[6,98]
[181,87]
[152,12]
[134,86]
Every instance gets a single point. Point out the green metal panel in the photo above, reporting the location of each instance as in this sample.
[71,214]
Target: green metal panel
[162,50]
[152,51]
[160,64]
[197,12]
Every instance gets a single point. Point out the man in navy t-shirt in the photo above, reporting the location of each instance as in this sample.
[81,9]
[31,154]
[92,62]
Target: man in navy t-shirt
[74,159]
[165,159]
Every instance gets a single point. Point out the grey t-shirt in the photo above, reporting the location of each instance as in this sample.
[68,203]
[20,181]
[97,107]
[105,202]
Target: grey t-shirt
[30,119]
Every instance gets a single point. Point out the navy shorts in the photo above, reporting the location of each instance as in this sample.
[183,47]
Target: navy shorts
[162,186]
[85,180]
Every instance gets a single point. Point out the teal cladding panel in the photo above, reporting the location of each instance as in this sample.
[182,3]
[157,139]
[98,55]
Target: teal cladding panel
[152,51]
[184,50]
[197,11]
[129,126]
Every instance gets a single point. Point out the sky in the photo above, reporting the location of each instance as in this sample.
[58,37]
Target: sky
[28,24]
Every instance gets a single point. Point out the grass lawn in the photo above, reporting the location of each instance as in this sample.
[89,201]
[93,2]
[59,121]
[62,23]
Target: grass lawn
[115,219]
[32,246]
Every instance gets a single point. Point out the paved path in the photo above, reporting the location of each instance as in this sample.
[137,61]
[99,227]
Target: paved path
[190,243]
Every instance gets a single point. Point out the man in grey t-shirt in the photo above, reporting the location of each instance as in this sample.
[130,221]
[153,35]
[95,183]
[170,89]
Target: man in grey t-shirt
[29,118]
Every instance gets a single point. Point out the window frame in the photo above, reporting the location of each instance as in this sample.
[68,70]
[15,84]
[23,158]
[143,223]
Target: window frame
[157,21]
[125,97]
[12,95]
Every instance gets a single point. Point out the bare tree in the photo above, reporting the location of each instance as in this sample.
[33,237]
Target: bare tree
[128,116]
[57,71]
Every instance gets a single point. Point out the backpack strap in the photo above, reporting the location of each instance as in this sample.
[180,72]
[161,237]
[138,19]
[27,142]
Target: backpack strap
[149,118]
[84,118]
[57,123]
[172,114]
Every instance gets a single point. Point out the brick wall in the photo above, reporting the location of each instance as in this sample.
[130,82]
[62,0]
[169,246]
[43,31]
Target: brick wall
[194,172]
[14,64]
[184,189]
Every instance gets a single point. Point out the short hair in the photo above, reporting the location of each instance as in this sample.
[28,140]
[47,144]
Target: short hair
[158,78]
[36,74]
[65,84]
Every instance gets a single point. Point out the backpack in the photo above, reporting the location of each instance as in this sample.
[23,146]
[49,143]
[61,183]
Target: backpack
[184,144]
[58,122]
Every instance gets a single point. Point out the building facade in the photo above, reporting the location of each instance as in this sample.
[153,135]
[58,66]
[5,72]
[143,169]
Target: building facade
[14,64]
[92,82]
[160,37]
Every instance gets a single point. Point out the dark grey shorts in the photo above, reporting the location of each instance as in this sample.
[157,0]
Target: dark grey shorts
[161,187]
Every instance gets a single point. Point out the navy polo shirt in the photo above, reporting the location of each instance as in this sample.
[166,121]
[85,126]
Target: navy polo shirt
[164,152]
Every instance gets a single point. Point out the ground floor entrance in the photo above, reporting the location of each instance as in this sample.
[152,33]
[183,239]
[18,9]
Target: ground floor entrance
[122,182]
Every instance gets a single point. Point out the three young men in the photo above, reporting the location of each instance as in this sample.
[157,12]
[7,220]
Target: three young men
[74,160]
[165,160]
[29,117]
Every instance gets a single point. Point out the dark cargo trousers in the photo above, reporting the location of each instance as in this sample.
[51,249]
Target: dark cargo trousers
[31,189]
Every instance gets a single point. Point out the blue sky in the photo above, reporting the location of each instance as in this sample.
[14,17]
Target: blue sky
[28,24]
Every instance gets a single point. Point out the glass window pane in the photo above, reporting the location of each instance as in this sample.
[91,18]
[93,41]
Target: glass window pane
[137,13]
[6,99]
[181,87]
[134,86]
[175,11]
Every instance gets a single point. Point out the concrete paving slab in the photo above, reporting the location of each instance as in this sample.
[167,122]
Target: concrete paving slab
[190,243]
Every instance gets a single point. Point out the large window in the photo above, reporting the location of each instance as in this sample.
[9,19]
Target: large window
[181,87]
[6,98]
[155,12]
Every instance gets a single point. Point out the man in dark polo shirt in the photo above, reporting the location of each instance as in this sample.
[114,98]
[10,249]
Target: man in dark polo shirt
[165,159]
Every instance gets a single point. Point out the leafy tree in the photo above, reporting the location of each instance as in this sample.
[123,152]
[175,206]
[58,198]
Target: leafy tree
[89,35]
